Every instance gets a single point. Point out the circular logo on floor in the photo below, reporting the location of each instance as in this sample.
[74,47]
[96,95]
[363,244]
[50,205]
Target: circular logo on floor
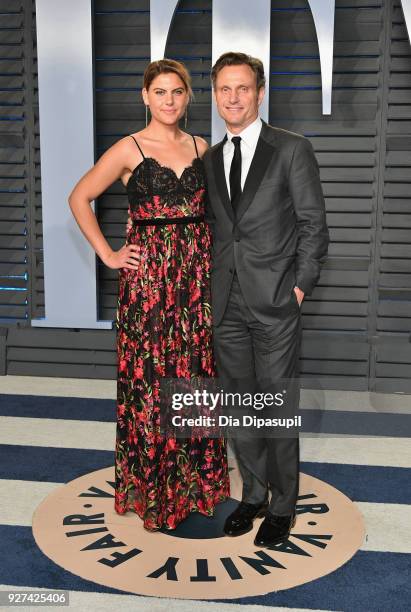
[77,527]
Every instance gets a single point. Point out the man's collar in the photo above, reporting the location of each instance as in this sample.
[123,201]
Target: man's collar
[250,134]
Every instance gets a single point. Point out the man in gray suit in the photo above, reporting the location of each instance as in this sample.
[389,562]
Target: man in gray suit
[267,215]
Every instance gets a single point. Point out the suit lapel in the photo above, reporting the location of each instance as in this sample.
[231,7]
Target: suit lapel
[262,157]
[219,174]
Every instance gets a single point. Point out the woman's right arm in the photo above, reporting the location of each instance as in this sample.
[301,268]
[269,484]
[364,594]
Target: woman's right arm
[109,168]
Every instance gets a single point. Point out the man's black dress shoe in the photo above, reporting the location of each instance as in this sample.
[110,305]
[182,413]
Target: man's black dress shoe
[274,529]
[241,520]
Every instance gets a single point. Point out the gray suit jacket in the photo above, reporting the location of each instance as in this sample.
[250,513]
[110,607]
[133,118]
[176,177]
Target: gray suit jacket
[278,237]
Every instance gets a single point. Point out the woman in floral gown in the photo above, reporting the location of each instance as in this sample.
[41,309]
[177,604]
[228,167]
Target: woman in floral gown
[163,319]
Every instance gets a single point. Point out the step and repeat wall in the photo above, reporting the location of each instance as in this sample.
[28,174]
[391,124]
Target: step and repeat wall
[357,322]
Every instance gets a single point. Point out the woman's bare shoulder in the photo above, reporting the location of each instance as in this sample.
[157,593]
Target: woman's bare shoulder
[129,138]
[202,145]
[132,143]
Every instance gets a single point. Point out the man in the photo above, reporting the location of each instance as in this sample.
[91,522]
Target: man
[267,215]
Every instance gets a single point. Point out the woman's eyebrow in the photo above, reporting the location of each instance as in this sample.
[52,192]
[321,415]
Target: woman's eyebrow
[162,88]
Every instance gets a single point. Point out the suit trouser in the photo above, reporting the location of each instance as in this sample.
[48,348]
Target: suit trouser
[246,348]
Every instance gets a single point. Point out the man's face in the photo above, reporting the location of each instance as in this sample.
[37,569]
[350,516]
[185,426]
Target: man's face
[237,97]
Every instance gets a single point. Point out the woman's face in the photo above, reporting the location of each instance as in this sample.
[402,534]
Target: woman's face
[167,98]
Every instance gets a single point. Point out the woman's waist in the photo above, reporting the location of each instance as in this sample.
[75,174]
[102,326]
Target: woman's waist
[164,221]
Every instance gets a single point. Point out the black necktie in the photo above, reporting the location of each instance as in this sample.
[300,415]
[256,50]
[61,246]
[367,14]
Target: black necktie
[235,172]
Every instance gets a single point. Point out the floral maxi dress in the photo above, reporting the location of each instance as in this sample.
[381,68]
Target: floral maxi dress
[164,329]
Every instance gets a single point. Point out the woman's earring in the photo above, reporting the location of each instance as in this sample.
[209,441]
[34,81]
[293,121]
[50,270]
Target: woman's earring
[185,118]
[146,114]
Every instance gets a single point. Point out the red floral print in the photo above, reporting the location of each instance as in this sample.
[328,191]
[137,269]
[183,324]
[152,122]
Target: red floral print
[164,329]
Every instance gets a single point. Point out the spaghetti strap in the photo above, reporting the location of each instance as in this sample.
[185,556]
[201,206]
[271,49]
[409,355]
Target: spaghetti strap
[139,148]
[195,144]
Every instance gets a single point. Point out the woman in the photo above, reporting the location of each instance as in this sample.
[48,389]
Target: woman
[163,313]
